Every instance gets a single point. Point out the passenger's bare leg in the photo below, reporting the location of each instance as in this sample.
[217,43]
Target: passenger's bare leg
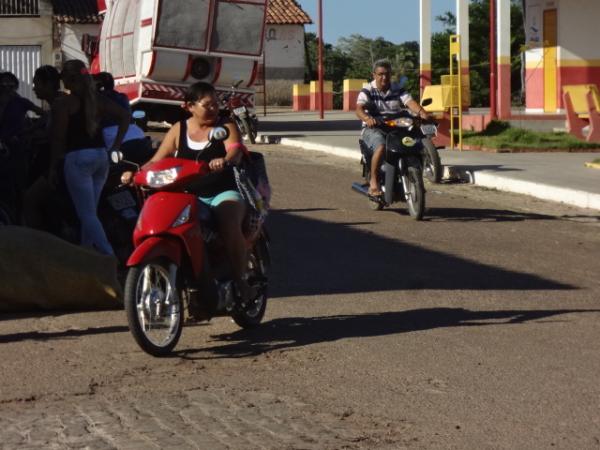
[375,165]
[230,215]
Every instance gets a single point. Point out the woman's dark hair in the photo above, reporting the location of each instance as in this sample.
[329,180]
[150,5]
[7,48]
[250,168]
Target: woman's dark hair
[197,91]
[85,90]
[48,74]
[105,81]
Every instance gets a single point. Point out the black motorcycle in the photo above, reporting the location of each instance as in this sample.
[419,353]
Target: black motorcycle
[401,173]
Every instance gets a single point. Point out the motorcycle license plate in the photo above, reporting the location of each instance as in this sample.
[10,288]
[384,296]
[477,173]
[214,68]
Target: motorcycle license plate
[240,111]
[121,200]
[428,129]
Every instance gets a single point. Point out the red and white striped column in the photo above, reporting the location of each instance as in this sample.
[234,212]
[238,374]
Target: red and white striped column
[425,44]
[503,71]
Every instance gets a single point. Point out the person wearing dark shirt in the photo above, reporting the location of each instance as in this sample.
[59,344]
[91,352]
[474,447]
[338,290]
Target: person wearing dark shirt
[76,135]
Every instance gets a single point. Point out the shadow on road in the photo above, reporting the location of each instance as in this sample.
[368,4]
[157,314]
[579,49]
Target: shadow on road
[48,335]
[480,215]
[295,332]
[313,257]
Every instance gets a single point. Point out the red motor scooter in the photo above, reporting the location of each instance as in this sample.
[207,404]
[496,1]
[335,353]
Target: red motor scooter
[179,262]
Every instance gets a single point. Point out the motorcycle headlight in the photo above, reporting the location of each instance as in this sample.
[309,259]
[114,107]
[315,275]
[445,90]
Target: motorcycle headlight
[161,178]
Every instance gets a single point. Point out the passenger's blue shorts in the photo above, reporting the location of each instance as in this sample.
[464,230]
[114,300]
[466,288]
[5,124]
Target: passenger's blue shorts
[225,196]
[373,137]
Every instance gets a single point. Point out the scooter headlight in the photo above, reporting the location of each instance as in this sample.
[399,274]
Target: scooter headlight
[161,178]
[403,122]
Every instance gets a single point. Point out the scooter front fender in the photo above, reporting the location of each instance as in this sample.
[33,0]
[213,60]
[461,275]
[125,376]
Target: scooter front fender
[156,247]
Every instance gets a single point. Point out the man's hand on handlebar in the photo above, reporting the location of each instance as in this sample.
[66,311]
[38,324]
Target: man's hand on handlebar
[371,122]
[127,177]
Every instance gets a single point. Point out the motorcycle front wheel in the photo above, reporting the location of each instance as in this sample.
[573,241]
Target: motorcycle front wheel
[153,305]
[415,197]
[432,165]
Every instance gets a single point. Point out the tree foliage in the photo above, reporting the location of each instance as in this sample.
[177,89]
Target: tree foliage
[353,56]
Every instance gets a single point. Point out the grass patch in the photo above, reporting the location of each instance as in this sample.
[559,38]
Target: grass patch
[500,135]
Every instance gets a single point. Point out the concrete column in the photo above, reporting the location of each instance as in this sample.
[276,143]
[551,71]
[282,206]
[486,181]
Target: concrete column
[503,39]
[462,28]
[425,43]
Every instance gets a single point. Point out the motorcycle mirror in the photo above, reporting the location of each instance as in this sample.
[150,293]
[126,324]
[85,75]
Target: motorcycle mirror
[218,134]
[116,156]
[138,114]
[426,101]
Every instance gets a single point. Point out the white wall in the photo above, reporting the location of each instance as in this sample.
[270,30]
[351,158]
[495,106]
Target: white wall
[578,26]
[284,51]
[70,40]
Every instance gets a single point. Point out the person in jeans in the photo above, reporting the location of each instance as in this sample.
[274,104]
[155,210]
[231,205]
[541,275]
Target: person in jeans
[76,135]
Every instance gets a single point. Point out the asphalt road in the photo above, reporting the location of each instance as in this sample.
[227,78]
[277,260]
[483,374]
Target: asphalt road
[476,328]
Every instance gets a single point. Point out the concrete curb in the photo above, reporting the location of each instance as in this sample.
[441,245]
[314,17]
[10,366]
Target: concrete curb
[571,197]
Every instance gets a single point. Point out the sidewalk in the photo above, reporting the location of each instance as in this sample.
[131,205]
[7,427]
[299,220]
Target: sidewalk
[560,177]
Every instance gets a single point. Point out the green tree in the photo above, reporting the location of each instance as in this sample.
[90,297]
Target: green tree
[479,49]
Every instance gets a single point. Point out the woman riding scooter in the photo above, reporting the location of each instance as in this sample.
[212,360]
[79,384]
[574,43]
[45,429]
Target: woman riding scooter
[188,139]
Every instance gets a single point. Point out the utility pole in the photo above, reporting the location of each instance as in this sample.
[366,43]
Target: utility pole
[321,95]
[493,66]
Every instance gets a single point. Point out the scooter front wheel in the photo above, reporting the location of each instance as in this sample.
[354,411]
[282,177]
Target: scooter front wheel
[154,307]
[415,197]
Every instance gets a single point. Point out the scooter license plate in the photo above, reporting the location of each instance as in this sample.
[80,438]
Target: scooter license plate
[241,111]
[121,200]
[428,129]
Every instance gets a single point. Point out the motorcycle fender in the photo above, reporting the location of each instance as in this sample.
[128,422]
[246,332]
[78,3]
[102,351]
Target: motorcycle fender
[389,182]
[156,247]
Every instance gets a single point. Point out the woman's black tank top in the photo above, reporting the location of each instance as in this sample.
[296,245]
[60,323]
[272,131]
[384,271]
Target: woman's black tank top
[77,134]
[223,181]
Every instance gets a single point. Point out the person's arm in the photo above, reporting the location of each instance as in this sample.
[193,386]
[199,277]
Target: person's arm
[417,109]
[167,147]
[113,111]
[33,107]
[234,148]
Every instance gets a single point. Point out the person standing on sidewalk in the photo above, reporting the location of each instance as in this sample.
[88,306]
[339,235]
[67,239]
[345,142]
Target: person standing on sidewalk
[76,135]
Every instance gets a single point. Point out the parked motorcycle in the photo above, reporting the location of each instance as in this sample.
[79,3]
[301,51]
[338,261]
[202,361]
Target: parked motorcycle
[242,112]
[401,173]
[179,261]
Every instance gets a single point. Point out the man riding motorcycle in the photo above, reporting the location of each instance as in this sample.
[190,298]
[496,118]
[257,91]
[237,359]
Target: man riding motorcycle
[374,104]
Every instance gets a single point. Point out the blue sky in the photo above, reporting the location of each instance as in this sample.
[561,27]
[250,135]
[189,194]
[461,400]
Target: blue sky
[394,20]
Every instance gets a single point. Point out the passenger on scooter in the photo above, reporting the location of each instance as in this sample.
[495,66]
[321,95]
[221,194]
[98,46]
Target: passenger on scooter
[136,147]
[380,100]
[188,139]
[13,109]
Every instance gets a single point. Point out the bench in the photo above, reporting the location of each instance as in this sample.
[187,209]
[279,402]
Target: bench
[582,104]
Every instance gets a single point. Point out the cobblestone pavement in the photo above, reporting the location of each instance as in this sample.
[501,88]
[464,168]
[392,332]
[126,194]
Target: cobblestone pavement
[198,419]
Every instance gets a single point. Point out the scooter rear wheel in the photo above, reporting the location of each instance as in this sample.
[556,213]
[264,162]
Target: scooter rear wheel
[154,307]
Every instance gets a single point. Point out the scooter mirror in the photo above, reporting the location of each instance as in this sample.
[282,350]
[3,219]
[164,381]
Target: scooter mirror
[218,134]
[426,101]
[116,156]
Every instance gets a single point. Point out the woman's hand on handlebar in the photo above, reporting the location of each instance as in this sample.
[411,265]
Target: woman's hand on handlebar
[127,177]
[217,164]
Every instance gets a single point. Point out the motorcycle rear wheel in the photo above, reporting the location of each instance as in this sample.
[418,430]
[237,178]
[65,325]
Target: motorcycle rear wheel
[154,307]
[415,197]
[251,314]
